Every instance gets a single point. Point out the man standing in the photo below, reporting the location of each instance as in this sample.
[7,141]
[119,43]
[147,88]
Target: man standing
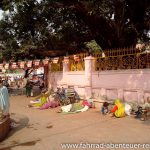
[28,88]
[4,99]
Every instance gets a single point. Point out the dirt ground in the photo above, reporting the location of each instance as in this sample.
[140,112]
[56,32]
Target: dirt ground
[47,129]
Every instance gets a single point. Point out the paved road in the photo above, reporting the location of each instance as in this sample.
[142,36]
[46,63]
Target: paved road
[47,130]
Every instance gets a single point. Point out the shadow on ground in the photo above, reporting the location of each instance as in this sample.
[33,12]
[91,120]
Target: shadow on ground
[15,144]
[147,122]
[18,122]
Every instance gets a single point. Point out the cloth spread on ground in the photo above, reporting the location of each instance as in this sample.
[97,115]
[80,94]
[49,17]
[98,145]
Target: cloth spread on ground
[75,108]
[66,108]
[85,108]
[50,104]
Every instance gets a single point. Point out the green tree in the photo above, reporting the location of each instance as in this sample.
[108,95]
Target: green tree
[93,46]
[68,24]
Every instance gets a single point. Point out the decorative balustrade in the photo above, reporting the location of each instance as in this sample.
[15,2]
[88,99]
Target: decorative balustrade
[122,59]
[76,62]
[127,58]
[57,64]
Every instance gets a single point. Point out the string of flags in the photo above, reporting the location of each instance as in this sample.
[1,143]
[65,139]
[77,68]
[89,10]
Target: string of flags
[23,64]
[36,63]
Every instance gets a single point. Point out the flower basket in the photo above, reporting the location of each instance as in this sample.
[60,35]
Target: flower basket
[4,128]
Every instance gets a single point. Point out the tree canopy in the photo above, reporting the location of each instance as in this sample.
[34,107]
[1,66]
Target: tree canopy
[66,25]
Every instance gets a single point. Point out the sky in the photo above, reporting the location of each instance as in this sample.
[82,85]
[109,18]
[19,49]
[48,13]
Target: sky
[2,11]
[1,14]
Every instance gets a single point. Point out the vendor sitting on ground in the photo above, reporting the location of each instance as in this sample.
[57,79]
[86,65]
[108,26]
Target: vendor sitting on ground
[40,100]
[118,110]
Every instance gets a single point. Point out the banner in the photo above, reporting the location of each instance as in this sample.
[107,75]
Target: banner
[36,62]
[45,61]
[1,66]
[55,60]
[76,58]
[29,64]
[66,60]
[6,66]
[14,65]
[22,64]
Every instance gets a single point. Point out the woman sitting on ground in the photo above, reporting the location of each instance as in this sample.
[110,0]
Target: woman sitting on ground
[40,100]
[52,102]
[118,110]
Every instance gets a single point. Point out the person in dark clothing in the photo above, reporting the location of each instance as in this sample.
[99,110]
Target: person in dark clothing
[41,86]
[104,108]
[139,112]
[28,88]
[5,82]
[27,73]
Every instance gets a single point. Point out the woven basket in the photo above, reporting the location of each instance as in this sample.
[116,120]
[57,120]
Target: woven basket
[4,128]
